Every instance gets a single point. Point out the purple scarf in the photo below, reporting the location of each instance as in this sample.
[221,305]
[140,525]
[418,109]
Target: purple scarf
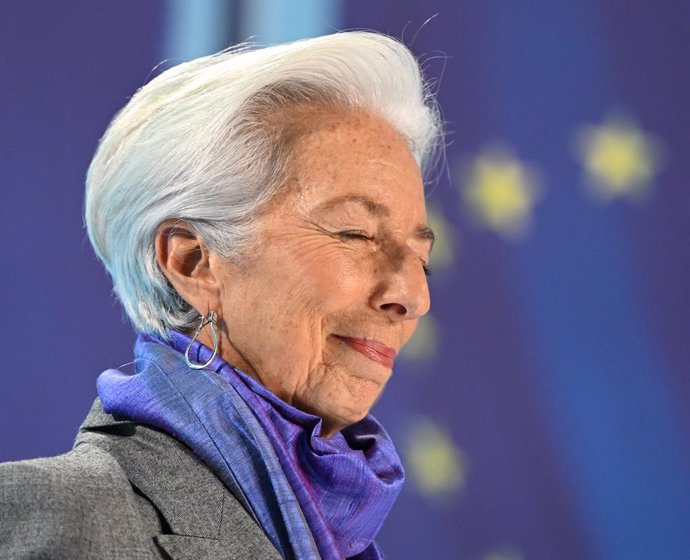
[314,497]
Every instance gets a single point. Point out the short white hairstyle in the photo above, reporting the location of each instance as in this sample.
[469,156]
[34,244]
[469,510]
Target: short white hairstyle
[203,143]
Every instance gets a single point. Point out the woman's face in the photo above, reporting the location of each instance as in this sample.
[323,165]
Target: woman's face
[337,283]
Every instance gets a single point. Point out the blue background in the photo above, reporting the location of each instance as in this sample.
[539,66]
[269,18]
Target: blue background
[543,413]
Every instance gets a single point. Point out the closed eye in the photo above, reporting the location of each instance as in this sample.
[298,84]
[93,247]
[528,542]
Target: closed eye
[356,235]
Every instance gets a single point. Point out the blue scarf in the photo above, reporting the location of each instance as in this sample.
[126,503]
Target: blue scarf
[314,497]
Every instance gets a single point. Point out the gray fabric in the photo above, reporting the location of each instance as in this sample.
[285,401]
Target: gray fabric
[126,491]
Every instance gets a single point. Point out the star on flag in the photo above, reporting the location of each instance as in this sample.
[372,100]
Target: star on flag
[619,159]
[500,191]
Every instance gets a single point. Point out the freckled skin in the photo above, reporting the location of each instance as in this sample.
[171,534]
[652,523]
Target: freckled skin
[306,282]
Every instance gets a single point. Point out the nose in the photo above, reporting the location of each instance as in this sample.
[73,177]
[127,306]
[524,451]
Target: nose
[402,292]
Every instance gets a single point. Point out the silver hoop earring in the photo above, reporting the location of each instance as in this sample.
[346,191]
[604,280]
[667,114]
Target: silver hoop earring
[211,321]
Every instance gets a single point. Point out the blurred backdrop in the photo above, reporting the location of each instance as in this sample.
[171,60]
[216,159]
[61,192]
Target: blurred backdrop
[543,408]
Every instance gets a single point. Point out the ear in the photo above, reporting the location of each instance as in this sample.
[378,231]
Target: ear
[185,261]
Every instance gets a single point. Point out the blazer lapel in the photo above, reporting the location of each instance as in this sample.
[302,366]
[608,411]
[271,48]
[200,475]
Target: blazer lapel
[205,520]
[180,547]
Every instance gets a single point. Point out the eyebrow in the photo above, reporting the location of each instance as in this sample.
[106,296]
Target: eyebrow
[426,233]
[375,208]
[423,232]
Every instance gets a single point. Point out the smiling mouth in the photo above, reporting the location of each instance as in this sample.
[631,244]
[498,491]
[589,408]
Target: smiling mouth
[373,349]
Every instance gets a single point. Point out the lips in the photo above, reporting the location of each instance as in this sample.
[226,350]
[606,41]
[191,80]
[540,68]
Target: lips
[372,349]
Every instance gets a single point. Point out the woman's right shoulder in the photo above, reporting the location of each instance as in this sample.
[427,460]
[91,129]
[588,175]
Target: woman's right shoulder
[66,505]
[83,474]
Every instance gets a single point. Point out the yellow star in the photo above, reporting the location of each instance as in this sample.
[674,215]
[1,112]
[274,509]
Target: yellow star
[435,464]
[424,344]
[500,191]
[620,160]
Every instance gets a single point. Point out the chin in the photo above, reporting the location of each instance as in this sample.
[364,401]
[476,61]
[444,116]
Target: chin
[333,423]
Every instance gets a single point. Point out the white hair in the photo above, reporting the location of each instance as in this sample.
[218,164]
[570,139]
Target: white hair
[203,143]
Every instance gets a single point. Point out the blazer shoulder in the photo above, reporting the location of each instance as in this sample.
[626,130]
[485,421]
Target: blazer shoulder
[84,471]
[76,505]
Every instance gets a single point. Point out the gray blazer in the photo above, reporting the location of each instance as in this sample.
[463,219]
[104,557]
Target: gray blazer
[126,491]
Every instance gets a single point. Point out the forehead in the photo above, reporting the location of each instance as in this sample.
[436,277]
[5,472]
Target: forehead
[355,155]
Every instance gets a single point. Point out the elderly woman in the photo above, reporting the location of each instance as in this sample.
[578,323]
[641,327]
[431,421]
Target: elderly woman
[261,214]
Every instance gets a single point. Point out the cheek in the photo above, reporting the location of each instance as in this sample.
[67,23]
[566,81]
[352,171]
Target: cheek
[340,288]
[334,279]
[300,291]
